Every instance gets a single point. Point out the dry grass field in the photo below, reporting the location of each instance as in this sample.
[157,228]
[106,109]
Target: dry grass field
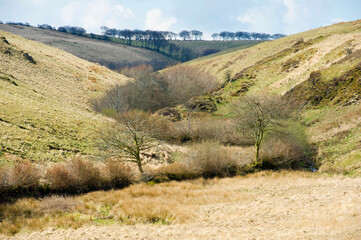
[105,53]
[265,205]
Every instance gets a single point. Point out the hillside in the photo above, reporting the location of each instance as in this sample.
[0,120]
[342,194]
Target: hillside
[201,48]
[106,53]
[45,94]
[321,70]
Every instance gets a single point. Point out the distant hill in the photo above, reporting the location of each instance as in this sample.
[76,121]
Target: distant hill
[203,48]
[321,69]
[45,98]
[111,55]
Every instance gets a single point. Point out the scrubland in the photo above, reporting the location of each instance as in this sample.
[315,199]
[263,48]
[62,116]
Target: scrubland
[208,187]
[265,205]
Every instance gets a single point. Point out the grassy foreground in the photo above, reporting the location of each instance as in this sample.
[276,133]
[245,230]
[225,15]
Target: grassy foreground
[267,205]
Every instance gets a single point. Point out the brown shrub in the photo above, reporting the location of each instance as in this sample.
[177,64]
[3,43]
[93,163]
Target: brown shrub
[211,159]
[206,129]
[176,171]
[278,154]
[117,174]
[77,175]
[21,177]
[137,71]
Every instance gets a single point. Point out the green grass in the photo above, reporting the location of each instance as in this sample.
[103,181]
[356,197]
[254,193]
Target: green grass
[276,67]
[198,47]
[44,107]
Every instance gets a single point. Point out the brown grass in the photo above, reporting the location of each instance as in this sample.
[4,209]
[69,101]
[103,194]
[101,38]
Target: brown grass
[266,205]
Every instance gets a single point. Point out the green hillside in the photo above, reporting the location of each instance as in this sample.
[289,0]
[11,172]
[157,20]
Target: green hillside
[321,70]
[202,48]
[44,100]
[106,53]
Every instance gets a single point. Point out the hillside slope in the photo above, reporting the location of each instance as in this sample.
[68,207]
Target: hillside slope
[321,70]
[44,103]
[106,53]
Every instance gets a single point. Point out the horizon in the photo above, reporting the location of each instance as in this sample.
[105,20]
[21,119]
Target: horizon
[266,16]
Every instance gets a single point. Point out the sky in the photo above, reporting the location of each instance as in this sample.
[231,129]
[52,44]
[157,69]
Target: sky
[209,16]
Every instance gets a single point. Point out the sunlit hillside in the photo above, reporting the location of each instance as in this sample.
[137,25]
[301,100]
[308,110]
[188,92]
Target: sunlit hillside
[45,95]
[320,69]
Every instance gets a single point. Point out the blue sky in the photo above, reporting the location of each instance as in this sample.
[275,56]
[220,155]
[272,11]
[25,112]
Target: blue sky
[209,16]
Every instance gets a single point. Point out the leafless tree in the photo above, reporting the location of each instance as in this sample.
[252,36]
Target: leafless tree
[260,115]
[130,136]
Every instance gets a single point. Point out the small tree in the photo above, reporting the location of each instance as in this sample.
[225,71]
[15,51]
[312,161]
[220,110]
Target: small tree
[260,115]
[130,136]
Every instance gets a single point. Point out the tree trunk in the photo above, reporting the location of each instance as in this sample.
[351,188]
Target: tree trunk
[189,122]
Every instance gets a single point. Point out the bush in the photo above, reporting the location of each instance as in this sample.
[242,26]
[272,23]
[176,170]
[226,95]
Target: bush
[203,128]
[76,176]
[117,174]
[210,159]
[176,171]
[289,150]
[19,180]
[25,175]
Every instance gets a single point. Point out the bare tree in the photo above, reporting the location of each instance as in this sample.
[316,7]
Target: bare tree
[130,136]
[185,82]
[260,115]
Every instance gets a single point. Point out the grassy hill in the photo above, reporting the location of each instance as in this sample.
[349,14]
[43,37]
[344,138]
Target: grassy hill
[44,104]
[106,53]
[320,69]
[200,48]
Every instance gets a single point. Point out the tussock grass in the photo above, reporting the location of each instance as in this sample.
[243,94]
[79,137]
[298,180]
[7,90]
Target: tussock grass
[329,206]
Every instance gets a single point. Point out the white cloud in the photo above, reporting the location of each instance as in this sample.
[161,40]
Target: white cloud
[291,15]
[258,20]
[124,12]
[96,13]
[155,20]
[295,19]
[67,13]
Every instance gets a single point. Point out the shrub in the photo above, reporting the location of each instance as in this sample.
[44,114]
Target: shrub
[77,175]
[25,175]
[176,171]
[204,128]
[118,174]
[210,159]
[289,150]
